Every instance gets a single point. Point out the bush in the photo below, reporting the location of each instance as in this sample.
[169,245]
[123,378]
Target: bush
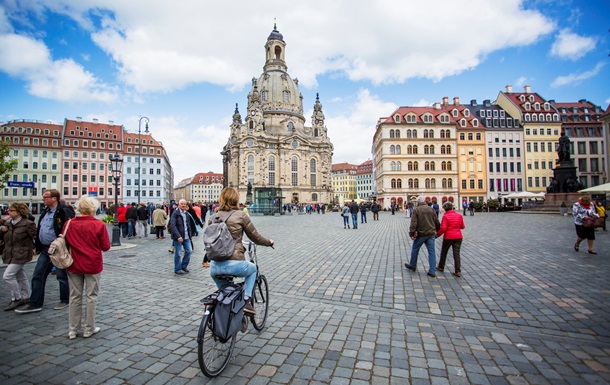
[478,205]
[493,203]
[563,204]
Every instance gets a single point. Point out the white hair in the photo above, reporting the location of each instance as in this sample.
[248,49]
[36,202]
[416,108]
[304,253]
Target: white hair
[87,205]
[421,200]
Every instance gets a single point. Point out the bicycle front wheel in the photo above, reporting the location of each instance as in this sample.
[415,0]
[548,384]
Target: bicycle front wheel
[260,302]
[213,355]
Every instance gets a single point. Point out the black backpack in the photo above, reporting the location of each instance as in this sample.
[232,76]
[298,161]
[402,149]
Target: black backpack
[228,312]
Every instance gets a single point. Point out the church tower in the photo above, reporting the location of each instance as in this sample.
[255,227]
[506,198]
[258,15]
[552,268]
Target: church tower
[272,150]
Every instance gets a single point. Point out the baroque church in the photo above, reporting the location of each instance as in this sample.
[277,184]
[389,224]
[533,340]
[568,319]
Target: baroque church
[272,157]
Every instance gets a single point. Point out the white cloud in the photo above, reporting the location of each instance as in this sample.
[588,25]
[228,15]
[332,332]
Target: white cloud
[351,132]
[163,46]
[571,46]
[65,80]
[521,81]
[577,77]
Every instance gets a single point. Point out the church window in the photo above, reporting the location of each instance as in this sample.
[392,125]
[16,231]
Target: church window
[251,169]
[294,166]
[264,96]
[286,96]
[312,170]
[291,127]
[271,164]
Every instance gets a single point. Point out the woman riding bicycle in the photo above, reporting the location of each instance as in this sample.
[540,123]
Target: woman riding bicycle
[238,224]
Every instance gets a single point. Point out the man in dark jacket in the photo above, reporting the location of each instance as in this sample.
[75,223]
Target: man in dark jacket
[50,225]
[132,216]
[363,210]
[182,231]
[353,209]
[142,213]
[424,225]
[375,208]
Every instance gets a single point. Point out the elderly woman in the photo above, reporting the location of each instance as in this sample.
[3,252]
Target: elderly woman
[87,238]
[580,210]
[238,224]
[18,233]
[451,226]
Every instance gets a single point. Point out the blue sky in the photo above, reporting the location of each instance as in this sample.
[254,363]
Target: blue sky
[185,64]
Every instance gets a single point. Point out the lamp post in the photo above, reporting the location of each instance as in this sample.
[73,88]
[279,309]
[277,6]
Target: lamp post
[116,163]
[140,153]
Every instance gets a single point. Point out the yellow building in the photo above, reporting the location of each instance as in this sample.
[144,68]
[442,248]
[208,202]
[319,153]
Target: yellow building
[541,126]
[345,181]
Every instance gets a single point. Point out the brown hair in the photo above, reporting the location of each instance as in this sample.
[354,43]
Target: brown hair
[21,208]
[54,193]
[448,206]
[585,199]
[228,199]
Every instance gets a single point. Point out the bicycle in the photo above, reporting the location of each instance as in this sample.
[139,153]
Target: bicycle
[213,354]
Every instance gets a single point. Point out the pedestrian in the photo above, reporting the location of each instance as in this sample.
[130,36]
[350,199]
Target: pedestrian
[424,225]
[363,210]
[151,208]
[353,209]
[87,237]
[159,219]
[182,228]
[393,207]
[122,218]
[452,224]
[411,206]
[18,234]
[375,210]
[601,211]
[436,208]
[195,218]
[464,206]
[132,217]
[580,210]
[345,214]
[471,208]
[204,211]
[142,213]
[50,225]
[172,207]
[238,224]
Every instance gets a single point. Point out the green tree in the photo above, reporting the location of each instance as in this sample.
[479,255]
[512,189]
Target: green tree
[7,163]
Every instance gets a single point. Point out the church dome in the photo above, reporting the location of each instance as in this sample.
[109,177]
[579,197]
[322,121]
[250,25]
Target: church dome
[279,92]
[275,35]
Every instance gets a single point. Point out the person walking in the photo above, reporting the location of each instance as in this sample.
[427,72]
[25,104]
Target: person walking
[121,213]
[363,210]
[159,219]
[142,213]
[88,238]
[375,208]
[18,234]
[353,209]
[464,206]
[132,217]
[422,230]
[471,208]
[452,224]
[580,210]
[50,224]
[182,228]
[238,224]
[345,214]
[601,211]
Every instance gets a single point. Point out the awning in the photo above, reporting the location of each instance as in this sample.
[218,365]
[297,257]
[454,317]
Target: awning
[434,199]
[393,198]
[444,199]
[399,198]
[380,198]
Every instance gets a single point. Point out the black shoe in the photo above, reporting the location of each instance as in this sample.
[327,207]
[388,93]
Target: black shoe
[431,275]
[441,269]
[185,270]
[179,272]
[409,267]
[592,252]
[249,309]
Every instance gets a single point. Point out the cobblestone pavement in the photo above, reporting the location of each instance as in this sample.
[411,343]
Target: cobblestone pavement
[344,310]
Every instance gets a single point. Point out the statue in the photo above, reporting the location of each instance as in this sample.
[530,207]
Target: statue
[563,150]
[249,189]
[553,186]
[573,185]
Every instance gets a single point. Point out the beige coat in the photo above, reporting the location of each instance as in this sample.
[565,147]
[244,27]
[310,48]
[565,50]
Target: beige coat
[238,224]
[159,217]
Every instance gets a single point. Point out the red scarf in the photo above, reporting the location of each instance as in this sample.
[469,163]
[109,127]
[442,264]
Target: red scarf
[585,206]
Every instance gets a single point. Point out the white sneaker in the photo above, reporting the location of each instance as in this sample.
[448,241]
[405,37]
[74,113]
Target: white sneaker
[94,331]
[72,335]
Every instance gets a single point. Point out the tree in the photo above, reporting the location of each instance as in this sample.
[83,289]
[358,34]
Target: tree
[7,164]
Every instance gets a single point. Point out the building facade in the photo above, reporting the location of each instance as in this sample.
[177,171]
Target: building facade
[344,182]
[271,149]
[201,188]
[364,180]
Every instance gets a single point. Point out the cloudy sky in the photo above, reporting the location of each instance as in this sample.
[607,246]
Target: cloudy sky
[184,64]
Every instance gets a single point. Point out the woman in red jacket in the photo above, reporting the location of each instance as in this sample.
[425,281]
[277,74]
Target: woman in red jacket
[451,225]
[87,238]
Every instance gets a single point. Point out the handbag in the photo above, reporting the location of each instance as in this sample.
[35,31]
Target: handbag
[591,221]
[59,251]
[153,229]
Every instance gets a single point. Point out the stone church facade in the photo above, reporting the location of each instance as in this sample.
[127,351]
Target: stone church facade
[272,157]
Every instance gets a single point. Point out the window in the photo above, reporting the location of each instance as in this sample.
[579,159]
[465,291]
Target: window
[312,170]
[271,167]
[294,167]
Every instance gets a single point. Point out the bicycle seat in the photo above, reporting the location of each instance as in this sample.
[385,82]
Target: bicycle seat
[227,277]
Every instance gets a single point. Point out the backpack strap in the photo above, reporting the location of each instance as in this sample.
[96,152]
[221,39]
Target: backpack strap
[67,225]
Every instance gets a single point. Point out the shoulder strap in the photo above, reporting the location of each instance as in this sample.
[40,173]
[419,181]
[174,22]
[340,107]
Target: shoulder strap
[67,225]
[230,213]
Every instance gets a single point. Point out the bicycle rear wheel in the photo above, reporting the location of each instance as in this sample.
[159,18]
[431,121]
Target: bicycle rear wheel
[260,301]
[213,355]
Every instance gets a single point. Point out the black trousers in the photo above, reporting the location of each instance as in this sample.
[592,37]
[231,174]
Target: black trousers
[455,244]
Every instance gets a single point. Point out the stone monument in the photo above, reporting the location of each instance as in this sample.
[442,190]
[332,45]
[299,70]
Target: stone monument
[564,186]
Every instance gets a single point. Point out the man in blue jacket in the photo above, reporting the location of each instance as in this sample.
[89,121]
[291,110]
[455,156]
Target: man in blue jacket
[182,228]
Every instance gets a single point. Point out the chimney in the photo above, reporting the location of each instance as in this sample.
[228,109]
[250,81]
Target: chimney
[111,122]
[552,102]
[456,101]
[473,102]
[437,106]
[487,102]
[528,89]
[445,100]
[79,118]
[94,120]
[509,88]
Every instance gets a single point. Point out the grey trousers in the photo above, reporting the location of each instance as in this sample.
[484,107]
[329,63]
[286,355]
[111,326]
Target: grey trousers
[90,284]
[17,281]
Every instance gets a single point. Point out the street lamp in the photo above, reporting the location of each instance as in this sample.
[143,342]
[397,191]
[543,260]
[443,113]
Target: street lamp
[116,163]
[140,152]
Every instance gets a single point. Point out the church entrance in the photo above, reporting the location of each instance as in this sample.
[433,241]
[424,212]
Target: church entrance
[295,198]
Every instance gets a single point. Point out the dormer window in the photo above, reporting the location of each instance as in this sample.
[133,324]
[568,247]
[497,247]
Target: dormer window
[548,117]
[475,122]
[527,106]
[541,117]
[454,112]
[502,115]
[522,98]
[482,114]
[463,122]
[547,107]
[526,117]
[427,118]
[466,112]
[411,118]
[532,98]
[396,118]
[537,106]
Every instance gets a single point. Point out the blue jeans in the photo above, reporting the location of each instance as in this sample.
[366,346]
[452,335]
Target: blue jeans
[39,280]
[345,220]
[237,268]
[188,250]
[429,242]
[363,217]
[355,220]
[124,229]
[131,224]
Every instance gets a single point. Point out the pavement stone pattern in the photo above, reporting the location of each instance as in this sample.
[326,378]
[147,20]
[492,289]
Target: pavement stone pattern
[344,310]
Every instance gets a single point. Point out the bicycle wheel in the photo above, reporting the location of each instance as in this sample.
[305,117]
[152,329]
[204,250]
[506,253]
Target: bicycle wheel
[213,354]
[260,301]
